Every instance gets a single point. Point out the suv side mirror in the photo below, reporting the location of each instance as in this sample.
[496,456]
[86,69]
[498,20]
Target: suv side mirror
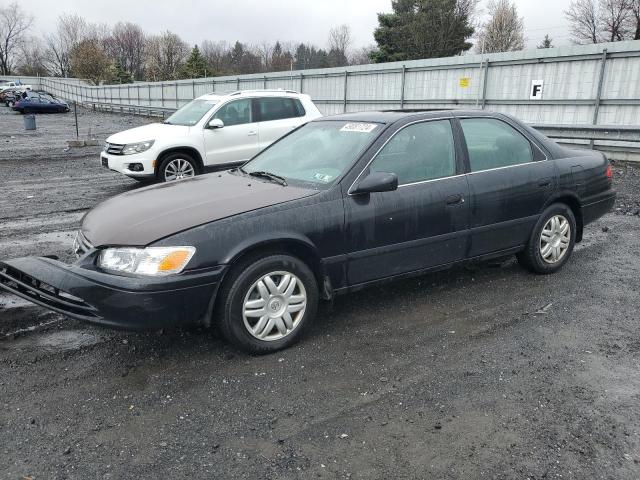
[215,124]
[377,182]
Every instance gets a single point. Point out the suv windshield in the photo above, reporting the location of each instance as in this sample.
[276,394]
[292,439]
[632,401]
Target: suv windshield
[191,113]
[318,153]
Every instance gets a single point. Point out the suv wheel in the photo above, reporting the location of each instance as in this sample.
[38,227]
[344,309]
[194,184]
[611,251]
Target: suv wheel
[551,242]
[177,166]
[267,303]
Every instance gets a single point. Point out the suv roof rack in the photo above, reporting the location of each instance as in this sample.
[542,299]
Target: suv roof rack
[280,90]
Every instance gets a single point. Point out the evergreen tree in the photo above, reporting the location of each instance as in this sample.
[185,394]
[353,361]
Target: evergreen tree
[195,66]
[547,42]
[120,75]
[423,29]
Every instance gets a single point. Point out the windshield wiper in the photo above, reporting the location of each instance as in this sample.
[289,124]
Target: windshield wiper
[166,122]
[270,176]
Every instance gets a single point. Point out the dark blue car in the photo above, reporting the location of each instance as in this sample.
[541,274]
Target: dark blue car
[34,102]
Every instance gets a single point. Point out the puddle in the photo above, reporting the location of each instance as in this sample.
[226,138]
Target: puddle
[60,341]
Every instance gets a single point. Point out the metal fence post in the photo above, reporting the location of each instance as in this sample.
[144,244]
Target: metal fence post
[484,84]
[238,83]
[162,93]
[213,85]
[149,92]
[264,84]
[404,78]
[193,89]
[301,82]
[598,99]
[346,85]
[177,97]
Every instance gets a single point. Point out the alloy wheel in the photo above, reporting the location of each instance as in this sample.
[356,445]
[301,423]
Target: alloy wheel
[274,306]
[555,239]
[178,169]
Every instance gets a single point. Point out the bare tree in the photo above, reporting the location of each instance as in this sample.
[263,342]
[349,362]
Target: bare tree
[635,19]
[340,41]
[70,31]
[265,51]
[166,54]
[216,54]
[89,60]
[614,18]
[126,44]
[32,60]
[504,32]
[14,24]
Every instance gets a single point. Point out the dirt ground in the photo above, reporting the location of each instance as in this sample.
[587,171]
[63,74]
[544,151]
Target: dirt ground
[484,372]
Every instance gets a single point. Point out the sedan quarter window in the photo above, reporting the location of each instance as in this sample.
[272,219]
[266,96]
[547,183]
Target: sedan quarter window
[493,144]
[420,152]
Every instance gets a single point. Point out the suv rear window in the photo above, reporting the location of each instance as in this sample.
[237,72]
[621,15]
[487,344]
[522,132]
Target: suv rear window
[274,108]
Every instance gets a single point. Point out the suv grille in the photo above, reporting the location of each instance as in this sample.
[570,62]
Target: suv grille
[113,148]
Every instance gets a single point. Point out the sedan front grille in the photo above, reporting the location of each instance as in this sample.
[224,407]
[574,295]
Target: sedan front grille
[81,245]
[113,148]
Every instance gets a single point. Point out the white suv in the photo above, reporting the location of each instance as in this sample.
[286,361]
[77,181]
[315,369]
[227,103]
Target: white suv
[212,132]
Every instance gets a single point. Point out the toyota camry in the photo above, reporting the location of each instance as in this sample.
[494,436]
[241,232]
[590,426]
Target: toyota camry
[340,203]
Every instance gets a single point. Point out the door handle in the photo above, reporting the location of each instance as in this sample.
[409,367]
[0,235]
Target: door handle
[455,199]
[252,133]
[545,182]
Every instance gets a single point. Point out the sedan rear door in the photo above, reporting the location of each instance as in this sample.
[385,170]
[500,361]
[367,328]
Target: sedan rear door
[420,225]
[510,181]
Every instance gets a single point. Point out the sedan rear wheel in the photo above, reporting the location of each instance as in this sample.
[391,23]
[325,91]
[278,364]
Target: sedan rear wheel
[551,242]
[266,303]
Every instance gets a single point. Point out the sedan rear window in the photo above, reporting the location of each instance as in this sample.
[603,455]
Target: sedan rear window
[494,144]
[318,153]
[191,113]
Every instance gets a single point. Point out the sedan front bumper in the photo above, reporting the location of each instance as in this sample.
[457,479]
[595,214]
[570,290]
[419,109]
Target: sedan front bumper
[129,302]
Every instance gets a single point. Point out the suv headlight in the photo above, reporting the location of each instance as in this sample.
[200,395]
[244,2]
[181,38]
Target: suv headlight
[151,261]
[140,147]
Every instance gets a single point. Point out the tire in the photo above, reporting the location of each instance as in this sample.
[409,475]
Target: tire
[548,254]
[242,286]
[174,162]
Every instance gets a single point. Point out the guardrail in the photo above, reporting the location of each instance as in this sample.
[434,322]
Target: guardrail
[620,140]
[146,110]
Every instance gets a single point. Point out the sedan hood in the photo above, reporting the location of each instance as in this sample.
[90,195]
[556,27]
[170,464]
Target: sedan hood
[153,131]
[142,216]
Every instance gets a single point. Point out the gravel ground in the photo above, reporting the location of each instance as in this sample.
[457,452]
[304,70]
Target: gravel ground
[483,372]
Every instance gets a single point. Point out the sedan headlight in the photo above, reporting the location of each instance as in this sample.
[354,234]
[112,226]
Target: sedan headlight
[151,261]
[140,147]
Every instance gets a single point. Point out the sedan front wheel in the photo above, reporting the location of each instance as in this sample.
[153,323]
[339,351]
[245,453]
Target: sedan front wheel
[266,303]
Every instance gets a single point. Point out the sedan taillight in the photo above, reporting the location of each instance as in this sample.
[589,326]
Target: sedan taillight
[609,172]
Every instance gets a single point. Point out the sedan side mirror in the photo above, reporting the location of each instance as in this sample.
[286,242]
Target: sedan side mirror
[377,182]
[216,123]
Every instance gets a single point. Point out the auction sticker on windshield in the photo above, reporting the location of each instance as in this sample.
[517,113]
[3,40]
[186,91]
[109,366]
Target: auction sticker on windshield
[359,127]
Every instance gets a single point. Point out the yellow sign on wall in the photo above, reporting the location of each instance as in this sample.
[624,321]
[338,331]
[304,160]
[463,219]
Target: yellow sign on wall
[465,82]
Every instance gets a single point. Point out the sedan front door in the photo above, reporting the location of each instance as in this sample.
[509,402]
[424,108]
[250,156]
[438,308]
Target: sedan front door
[237,141]
[423,223]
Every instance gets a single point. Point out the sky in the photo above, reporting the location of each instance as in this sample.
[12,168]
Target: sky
[255,21]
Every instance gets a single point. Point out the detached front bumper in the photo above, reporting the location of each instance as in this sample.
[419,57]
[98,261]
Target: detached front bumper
[133,303]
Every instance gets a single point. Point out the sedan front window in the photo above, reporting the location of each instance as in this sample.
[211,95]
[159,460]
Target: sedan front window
[318,153]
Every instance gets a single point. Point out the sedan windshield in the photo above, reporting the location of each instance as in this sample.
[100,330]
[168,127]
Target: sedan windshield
[318,153]
[191,113]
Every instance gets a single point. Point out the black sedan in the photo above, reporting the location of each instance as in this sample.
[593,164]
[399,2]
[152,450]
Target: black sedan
[33,102]
[340,203]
